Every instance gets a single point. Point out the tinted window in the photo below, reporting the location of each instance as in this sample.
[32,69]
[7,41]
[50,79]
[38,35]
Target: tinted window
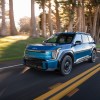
[52,39]
[90,38]
[85,38]
[61,38]
[78,38]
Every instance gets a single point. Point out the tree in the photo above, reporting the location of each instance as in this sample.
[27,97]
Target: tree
[42,4]
[49,19]
[33,20]
[96,23]
[81,16]
[25,24]
[44,18]
[13,29]
[3,28]
[57,16]
[71,15]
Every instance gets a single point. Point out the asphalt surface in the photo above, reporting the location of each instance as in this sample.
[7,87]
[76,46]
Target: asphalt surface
[21,83]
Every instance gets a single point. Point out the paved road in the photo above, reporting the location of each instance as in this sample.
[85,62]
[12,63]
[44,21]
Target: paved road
[21,83]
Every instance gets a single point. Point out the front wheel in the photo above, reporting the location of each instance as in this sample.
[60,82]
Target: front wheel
[66,65]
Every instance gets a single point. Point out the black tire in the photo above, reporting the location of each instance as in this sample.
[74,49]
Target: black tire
[93,56]
[66,65]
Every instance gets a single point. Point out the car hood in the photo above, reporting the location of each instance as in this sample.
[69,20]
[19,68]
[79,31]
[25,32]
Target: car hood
[47,46]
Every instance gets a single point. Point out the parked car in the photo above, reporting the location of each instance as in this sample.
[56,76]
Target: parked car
[61,51]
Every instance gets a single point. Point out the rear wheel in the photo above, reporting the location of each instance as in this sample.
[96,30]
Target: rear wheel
[66,65]
[93,56]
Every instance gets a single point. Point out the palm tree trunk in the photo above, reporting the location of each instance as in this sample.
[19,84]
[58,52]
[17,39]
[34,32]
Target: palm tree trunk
[33,20]
[13,29]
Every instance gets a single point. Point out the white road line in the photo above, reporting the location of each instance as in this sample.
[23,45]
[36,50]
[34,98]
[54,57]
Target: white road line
[11,66]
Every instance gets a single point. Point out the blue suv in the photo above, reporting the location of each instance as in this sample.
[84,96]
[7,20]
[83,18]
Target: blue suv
[61,51]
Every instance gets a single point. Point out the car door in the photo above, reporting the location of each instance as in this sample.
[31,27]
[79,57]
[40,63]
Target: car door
[86,45]
[78,48]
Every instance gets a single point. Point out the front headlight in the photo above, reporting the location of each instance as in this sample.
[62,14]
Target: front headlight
[55,53]
[25,52]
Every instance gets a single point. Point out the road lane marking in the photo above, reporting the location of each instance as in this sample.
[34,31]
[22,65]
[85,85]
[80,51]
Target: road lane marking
[54,86]
[74,85]
[11,66]
[72,92]
[53,91]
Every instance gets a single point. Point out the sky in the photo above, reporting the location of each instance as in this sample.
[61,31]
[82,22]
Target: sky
[22,8]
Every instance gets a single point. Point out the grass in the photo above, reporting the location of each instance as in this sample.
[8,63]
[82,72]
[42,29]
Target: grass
[98,45]
[12,47]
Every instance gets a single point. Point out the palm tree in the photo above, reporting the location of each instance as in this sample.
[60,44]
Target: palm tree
[33,20]
[3,29]
[13,29]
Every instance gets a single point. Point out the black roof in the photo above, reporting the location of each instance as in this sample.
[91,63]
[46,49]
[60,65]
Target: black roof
[72,33]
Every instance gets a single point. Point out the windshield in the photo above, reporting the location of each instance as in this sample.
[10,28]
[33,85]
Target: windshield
[61,38]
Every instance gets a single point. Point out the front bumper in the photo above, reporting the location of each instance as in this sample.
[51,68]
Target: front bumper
[42,64]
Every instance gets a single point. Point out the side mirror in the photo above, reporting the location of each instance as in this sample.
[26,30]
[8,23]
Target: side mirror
[78,42]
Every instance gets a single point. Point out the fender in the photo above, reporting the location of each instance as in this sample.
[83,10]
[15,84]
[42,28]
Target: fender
[62,54]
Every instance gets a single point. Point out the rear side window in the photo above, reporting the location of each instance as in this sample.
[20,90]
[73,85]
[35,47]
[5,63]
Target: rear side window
[78,38]
[90,38]
[85,39]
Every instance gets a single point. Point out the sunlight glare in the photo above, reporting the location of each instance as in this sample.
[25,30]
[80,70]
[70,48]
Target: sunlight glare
[22,8]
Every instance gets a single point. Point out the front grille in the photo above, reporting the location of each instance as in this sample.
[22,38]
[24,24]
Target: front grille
[36,51]
[33,61]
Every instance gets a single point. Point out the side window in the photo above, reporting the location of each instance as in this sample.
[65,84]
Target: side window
[78,38]
[62,39]
[90,38]
[85,39]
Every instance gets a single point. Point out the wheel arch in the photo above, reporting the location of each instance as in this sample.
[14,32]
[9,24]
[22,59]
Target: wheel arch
[63,55]
[94,49]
